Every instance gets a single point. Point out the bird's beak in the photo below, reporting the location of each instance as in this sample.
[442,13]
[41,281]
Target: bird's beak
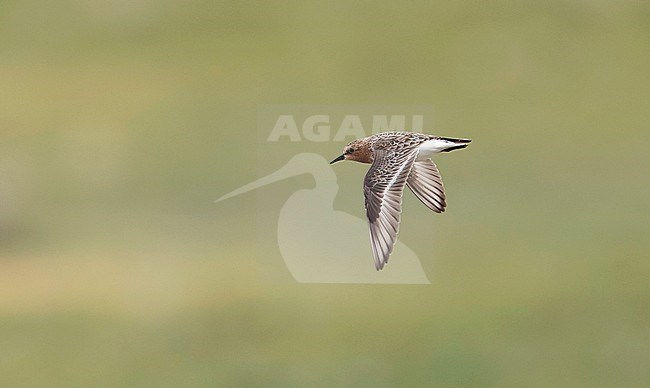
[338,159]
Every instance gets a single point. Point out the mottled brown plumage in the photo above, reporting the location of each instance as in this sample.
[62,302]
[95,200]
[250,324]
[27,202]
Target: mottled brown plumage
[398,159]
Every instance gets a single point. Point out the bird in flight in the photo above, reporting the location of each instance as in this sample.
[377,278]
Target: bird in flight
[398,159]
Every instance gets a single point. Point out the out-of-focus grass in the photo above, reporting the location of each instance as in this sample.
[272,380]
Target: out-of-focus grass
[121,122]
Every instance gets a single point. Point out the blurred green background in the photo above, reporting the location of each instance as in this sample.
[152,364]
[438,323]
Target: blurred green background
[122,121]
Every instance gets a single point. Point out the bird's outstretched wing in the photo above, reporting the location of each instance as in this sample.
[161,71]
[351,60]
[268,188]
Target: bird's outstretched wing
[383,187]
[425,182]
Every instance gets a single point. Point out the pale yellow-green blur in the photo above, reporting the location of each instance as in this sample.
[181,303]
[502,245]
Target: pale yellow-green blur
[122,121]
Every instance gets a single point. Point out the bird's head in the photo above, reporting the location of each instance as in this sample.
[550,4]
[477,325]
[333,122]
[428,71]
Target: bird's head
[359,151]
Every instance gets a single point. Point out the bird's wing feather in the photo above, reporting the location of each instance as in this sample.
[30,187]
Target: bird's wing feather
[425,182]
[383,189]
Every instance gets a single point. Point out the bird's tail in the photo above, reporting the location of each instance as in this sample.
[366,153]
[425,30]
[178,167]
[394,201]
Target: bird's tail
[442,144]
[451,144]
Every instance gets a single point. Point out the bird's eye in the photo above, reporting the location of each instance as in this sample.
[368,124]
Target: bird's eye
[350,150]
